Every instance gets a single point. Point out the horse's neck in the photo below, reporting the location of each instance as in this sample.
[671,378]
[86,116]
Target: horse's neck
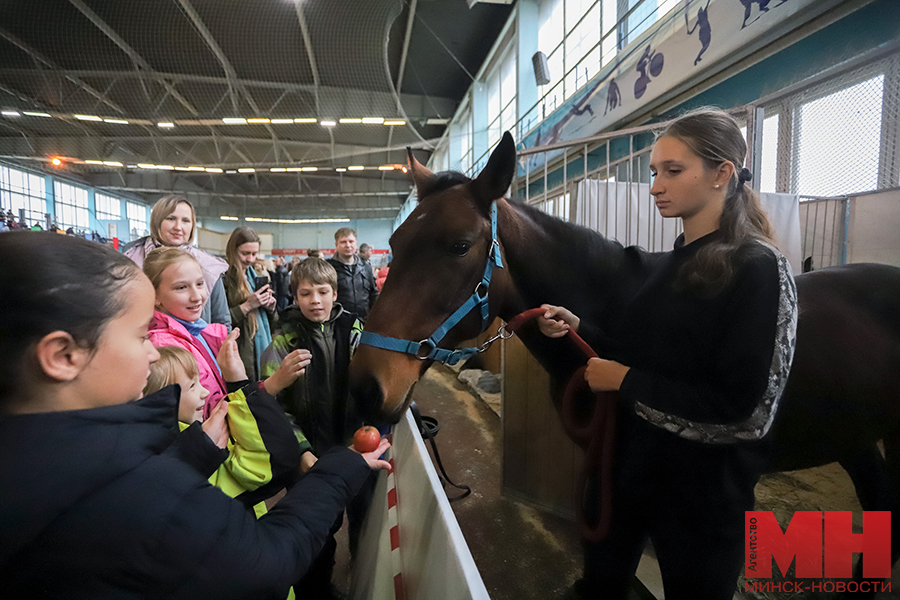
[553,262]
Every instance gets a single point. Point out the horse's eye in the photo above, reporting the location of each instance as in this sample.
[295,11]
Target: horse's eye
[460,249]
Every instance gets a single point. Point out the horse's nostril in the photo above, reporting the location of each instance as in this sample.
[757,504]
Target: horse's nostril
[368,394]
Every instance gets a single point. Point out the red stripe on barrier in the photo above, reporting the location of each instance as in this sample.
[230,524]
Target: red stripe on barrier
[398,586]
[392,498]
[395,537]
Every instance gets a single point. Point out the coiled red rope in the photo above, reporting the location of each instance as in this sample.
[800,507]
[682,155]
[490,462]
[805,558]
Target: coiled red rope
[596,434]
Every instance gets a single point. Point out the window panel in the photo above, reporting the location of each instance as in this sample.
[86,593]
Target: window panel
[71,205]
[550,25]
[838,146]
[137,220]
[107,207]
[769,158]
[22,190]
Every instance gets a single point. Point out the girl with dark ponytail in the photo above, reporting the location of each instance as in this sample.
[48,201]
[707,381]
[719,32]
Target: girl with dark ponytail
[699,361]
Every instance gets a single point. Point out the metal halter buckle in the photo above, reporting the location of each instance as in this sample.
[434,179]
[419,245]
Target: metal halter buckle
[428,346]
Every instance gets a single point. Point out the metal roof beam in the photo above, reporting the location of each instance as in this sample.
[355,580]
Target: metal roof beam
[42,59]
[131,52]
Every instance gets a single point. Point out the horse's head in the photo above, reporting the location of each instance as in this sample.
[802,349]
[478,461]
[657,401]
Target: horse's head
[440,257]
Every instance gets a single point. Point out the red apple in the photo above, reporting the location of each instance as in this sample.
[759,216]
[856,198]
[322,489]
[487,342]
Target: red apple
[366,439]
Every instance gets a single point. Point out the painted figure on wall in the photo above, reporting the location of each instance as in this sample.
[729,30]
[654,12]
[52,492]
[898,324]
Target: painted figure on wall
[763,7]
[702,24]
[613,96]
[653,60]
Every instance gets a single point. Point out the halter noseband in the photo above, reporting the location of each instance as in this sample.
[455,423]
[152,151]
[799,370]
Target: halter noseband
[428,349]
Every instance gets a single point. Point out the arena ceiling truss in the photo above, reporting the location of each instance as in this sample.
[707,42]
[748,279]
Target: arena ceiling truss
[271,107]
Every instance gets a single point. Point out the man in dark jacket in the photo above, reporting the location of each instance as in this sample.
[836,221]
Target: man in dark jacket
[282,285]
[356,282]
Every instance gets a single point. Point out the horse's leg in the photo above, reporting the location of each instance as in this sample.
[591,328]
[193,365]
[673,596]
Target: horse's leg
[876,488]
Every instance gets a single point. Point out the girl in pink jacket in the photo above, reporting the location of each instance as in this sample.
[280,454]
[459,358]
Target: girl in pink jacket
[181,293]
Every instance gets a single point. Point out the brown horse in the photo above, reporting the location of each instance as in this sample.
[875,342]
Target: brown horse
[843,393]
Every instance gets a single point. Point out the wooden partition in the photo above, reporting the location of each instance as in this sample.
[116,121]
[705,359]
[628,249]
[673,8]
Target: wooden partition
[539,461]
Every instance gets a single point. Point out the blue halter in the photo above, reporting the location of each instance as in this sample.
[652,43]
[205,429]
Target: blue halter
[428,349]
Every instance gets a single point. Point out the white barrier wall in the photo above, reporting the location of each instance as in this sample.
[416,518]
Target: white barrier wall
[434,560]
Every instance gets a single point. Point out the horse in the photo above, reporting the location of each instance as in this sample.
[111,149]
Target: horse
[842,396]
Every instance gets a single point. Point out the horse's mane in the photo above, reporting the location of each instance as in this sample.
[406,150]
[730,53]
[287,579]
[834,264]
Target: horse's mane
[442,181]
[578,240]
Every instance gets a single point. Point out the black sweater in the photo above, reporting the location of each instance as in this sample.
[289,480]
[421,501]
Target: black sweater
[100,503]
[712,369]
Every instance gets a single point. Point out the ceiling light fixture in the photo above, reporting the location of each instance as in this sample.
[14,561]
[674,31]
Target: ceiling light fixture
[37,114]
[116,121]
[234,120]
[165,125]
[281,121]
[82,117]
[293,169]
[93,162]
[355,168]
[111,163]
[258,120]
[309,169]
[373,120]
[386,168]
[341,170]
[57,161]
[394,122]
[350,121]
[277,170]
[327,123]
[247,170]
[305,120]
[196,169]
[224,218]
[165,167]
[10,113]
[213,170]
[146,166]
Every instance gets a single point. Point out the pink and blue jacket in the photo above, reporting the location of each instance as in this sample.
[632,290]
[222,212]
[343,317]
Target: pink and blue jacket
[166,331]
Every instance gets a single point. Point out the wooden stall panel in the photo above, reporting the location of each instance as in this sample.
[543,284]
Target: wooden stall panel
[539,460]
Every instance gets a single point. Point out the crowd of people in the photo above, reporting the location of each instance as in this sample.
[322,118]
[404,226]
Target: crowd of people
[161,368]
[130,382]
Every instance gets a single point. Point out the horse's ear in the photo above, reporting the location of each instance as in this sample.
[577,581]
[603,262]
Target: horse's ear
[494,180]
[421,176]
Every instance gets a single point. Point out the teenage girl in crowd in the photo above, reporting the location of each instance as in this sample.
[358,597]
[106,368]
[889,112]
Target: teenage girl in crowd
[181,293]
[101,496]
[699,362]
[172,224]
[250,305]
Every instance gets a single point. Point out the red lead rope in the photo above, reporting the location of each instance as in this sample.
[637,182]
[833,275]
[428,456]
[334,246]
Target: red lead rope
[596,434]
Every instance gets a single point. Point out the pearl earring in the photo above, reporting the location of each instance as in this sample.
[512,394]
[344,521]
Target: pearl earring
[717,186]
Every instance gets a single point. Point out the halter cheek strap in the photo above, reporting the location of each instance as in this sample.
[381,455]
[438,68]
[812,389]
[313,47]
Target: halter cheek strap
[427,349]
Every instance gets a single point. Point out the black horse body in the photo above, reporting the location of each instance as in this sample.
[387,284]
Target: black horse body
[843,393]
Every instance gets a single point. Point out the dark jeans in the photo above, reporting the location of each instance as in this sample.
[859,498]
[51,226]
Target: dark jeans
[688,499]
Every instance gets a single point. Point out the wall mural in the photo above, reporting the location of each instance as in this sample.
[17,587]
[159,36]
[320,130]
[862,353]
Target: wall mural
[661,58]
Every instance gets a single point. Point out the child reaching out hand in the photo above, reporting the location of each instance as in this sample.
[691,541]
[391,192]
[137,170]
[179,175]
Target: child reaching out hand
[101,496]
[258,450]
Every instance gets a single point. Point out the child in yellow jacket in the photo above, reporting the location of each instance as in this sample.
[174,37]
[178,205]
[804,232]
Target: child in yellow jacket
[259,453]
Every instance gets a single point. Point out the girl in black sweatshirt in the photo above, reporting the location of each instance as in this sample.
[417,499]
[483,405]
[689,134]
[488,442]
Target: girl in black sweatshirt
[699,360]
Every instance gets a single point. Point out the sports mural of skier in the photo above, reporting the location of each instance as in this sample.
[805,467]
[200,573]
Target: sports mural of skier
[653,60]
[705,33]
